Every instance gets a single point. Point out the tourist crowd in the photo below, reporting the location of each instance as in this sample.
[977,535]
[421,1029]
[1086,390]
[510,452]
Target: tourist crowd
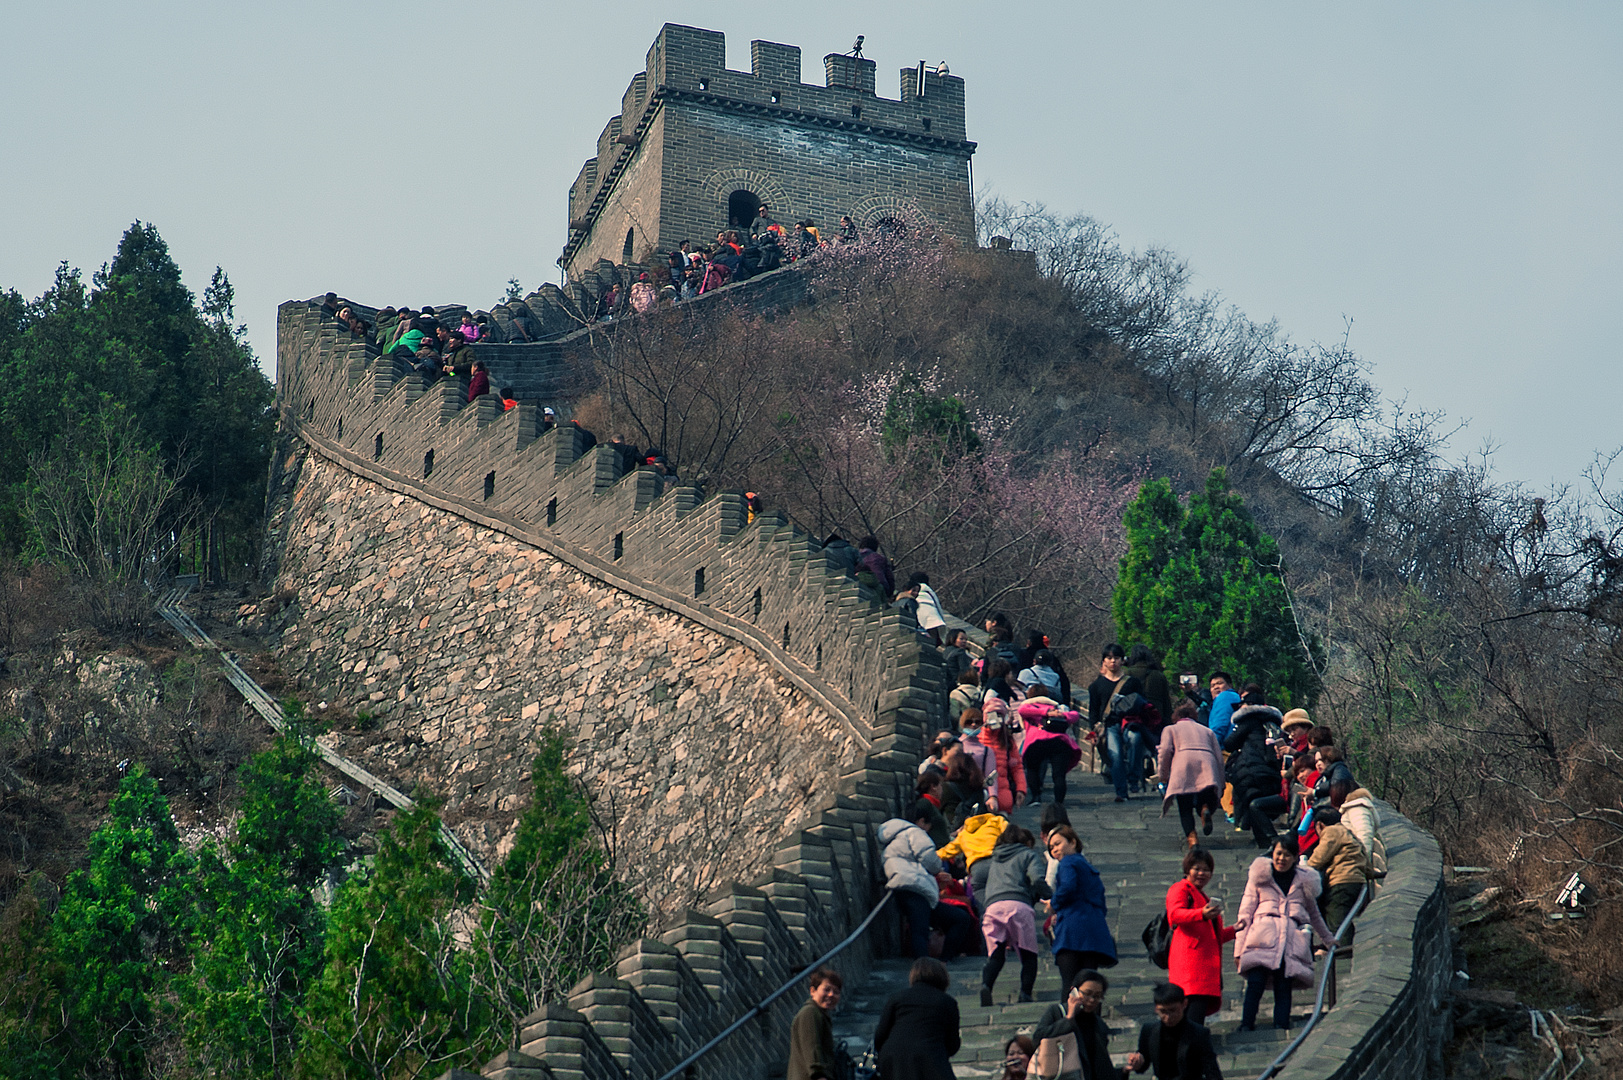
[969,880]
[741,253]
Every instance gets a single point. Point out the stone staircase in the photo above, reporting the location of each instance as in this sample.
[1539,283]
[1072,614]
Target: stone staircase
[1138,854]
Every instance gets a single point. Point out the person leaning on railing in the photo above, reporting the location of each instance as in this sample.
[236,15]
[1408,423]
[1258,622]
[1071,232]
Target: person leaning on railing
[1273,944]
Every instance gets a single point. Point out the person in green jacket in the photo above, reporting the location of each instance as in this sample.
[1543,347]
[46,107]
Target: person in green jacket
[811,1037]
[411,341]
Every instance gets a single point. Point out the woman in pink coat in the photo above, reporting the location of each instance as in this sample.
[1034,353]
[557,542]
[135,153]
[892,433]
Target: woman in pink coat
[1280,903]
[1047,744]
[1191,767]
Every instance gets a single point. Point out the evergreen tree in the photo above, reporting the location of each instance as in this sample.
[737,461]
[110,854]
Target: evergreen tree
[1203,586]
[35,1040]
[554,912]
[136,345]
[119,921]
[394,997]
[257,943]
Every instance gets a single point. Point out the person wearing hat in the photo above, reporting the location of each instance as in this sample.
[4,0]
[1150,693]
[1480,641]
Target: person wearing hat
[642,294]
[549,419]
[1297,725]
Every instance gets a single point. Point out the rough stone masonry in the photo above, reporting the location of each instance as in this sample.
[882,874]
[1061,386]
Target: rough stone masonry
[469,644]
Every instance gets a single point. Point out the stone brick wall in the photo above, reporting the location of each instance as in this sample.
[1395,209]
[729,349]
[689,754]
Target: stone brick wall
[559,587]
[556,586]
[691,132]
[1391,1019]
[426,538]
[468,643]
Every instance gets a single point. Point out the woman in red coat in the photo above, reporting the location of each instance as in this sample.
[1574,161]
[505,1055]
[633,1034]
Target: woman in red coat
[1195,961]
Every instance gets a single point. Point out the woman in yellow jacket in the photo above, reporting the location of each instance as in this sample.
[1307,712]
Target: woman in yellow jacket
[976,839]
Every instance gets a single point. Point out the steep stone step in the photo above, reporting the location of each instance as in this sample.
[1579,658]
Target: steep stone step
[1138,855]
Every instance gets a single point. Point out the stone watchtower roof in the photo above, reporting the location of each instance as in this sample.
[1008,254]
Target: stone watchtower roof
[696,147]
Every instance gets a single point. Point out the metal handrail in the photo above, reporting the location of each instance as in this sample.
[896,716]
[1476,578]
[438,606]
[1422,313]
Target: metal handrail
[1324,982]
[267,707]
[761,1006]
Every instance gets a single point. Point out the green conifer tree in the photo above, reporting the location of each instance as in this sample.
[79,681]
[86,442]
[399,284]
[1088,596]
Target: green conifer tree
[258,937]
[394,997]
[137,346]
[1204,587]
[120,920]
[554,912]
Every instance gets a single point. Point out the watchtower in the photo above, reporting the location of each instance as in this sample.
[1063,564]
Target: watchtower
[697,148]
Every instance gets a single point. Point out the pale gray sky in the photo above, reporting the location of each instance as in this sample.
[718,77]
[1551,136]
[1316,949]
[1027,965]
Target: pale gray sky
[1444,175]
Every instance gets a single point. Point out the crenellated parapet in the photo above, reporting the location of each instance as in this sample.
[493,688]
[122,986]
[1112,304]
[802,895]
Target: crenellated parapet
[389,451]
[696,146]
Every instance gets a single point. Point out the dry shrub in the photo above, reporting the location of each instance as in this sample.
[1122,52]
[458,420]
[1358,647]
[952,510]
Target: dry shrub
[37,601]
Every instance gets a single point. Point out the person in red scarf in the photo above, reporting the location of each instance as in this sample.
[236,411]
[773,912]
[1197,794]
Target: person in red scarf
[927,813]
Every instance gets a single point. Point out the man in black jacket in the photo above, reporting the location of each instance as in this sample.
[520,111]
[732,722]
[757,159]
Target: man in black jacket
[1174,1048]
[1254,770]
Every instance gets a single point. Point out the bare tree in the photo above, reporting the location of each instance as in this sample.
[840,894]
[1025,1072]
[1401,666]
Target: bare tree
[106,505]
[701,388]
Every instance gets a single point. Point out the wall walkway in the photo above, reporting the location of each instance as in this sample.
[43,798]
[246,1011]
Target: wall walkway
[374,538]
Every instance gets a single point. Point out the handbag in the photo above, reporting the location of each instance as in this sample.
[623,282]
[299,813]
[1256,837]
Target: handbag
[1055,723]
[1158,940]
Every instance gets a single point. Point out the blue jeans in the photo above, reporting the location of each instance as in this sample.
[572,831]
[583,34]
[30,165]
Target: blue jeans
[1126,750]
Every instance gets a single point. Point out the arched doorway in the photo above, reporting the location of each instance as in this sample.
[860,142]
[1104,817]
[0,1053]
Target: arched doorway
[742,206]
[890,228]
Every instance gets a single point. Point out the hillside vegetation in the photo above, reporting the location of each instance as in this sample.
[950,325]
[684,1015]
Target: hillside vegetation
[993,418]
[990,419]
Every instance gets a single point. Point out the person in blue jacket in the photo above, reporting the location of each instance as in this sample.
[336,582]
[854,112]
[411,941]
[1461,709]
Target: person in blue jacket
[1082,940]
[1225,699]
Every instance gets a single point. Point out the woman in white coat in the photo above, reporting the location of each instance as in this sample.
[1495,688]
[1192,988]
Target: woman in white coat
[1273,943]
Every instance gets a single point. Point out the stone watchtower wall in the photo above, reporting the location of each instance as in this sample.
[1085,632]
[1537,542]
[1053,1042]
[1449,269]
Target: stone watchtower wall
[691,133]
[742,714]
